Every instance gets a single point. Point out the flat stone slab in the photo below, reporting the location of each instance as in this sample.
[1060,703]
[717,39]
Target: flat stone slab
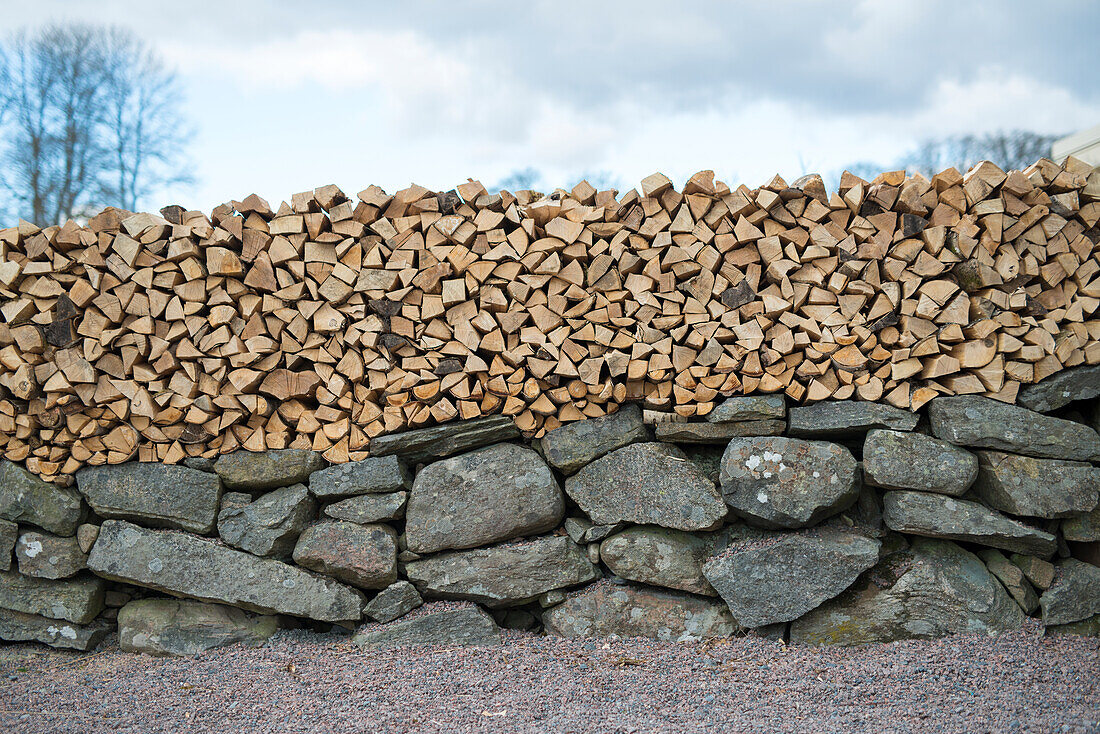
[780,482]
[375,474]
[779,576]
[1074,595]
[369,508]
[364,556]
[650,484]
[9,533]
[969,420]
[1012,577]
[24,498]
[78,600]
[934,589]
[268,525]
[749,408]
[392,602]
[181,627]
[1085,628]
[603,609]
[1083,528]
[433,624]
[158,495]
[1024,485]
[901,460]
[425,444]
[485,496]
[22,627]
[1038,572]
[842,418]
[719,433]
[202,569]
[661,557]
[573,445]
[251,471]
[1061,389]
[49,556]
[939,516]
[504,575]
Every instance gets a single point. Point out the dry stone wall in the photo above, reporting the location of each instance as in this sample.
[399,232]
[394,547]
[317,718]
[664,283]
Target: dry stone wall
[850,522]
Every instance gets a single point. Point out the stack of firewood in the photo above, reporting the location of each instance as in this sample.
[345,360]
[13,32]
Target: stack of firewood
[329,321]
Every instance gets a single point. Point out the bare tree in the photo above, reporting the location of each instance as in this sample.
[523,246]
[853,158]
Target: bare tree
[91,121]
[1015,149]
[521,179]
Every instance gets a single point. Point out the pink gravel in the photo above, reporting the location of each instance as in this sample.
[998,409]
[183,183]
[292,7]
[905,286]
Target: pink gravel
[303,682]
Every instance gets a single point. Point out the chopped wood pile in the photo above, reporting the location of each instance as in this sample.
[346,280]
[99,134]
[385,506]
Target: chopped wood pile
[329,320]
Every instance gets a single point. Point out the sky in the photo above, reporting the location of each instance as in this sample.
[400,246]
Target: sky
[287,96]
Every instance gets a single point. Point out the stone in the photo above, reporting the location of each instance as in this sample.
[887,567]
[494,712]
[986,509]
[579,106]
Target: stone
[426,444]
[648,484]
[1084,528]
[843,418]
[934,589]
[1012,578]
[180,627]
[23,627]
[86,535]
[604,609]
[269,525]
[76,600]
[707,457]
[200,463]
[481,497]
[364,556]
[660,557]
[157,495]
[396,600]
[900,460]
[787,482]
[1085,628]
[1048,488]
[573,445]
[749,408]
[552,598]
[970,420]
[1074,595]
[1039,572]
[24,498]
[433,624]
[49,556]
[719,433]
[503,575]
[183,564]
[596,533]
[780,576]
[576,528]
[1061,388]
[376,474]
[9,532]
[369,508]
[940,516]
[256,471]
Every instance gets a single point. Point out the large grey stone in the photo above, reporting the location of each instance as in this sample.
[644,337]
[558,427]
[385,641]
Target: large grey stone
[433,624]
[23,627]
[780,576]
[76,600]
[1074,595]
[361,555]
[1038,572]
[504,575]
[269,525]
[573,445]
[934,589]
[647,483]
[492,494]
[49,556]
[1061,388]
[901,460]
[787,482]
[158,495]
[661,557]
[841,418]
[24,498]
[396,600]
[749,408]
[939,516]
[425,444]
[1085,628]
[970,420]
[719,433]
[1084,528]
[203,569]
[369,508]
[9,532]
[255,471]
[1012,577]
[376,474]
[1024,485]
[181,627]
[604,609]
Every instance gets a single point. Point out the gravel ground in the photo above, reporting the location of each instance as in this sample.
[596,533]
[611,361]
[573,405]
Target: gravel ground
[304,682]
